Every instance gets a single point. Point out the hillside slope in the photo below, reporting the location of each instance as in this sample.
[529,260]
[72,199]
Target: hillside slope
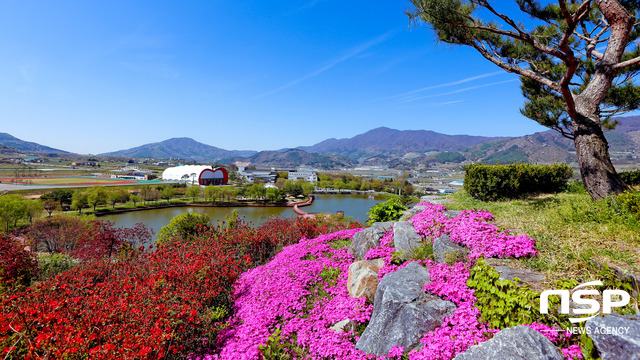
[293,158]
[179,148]
[26,146]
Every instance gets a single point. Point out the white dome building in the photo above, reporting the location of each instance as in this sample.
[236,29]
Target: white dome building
[196,174]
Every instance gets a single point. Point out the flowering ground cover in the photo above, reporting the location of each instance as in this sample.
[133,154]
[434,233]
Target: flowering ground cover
[285,308]
[136,304]
[203,297]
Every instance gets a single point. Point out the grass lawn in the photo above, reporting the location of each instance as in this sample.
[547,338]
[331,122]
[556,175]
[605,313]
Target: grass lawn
[573,233]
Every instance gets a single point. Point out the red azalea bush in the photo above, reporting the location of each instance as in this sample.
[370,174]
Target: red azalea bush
[84,240]
[17,266]
[57,234]
[140,305]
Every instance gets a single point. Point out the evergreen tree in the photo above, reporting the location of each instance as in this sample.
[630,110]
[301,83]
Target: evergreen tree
[576,59]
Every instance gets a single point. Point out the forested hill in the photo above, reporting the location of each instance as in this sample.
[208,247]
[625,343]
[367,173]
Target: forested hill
[180,148]
[295,158]
[26,146]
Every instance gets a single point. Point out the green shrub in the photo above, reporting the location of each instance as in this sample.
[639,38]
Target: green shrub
[423,252]
[502,303]
[496,182]
[630,201]
[390,210]
[182,227]
[50,265]
[506,303]
[631,177]
[575,187]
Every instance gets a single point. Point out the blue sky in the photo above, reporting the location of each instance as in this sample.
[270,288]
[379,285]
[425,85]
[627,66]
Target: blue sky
[93,77]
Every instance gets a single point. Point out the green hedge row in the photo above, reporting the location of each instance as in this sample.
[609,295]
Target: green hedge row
[631,178]
[495,182]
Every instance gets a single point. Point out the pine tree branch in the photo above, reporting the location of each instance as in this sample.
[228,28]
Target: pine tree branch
[513,68]
[524,37]
[622,21]
[627,63]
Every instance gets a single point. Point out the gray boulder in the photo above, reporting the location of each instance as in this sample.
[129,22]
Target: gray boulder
[368,238]
[344,326]
[402,312]
[444,249]
[363,278]
[507,272]
[616,336]
[416,210]
[516,343]
[452,213]
[434,199]
[405,238]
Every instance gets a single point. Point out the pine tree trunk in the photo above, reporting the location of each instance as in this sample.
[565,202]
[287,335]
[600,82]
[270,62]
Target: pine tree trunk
[598,174]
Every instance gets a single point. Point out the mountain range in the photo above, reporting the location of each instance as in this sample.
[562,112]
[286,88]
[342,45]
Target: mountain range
[400,149]
[385,141]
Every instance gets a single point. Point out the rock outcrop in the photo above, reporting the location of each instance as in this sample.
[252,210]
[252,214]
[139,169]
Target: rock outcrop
[530,277]
[516,343]
[368,238]
[416,210]
[343,326]
[444,249]
[405,238]
[451,213]
[363,278]
[403,313]
[616,336]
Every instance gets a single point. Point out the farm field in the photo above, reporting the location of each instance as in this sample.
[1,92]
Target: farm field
[71,181]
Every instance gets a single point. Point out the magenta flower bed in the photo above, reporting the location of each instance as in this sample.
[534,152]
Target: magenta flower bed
[274,296]
[289,296]
[471,229]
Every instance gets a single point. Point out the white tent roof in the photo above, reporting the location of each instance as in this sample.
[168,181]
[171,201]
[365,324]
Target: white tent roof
[176,173]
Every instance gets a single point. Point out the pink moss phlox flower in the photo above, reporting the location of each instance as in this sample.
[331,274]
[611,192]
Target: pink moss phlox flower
[572,352]
[289,293]
[384,251]
[471,229]
[428,222]
[395,353]
[463,328]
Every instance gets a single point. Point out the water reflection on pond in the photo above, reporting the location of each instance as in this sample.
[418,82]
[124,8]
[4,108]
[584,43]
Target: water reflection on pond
[355,206]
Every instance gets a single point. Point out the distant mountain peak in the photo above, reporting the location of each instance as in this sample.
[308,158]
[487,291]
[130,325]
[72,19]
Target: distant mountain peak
[180,148]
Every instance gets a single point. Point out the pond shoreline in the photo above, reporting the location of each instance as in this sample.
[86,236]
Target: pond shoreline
[163,206]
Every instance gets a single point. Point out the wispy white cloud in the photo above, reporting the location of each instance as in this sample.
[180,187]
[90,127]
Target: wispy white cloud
[410,99]
[452,83]
[350,54]
[306,6]
[449,102]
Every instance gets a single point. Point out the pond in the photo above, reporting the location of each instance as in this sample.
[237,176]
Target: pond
[354,206]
